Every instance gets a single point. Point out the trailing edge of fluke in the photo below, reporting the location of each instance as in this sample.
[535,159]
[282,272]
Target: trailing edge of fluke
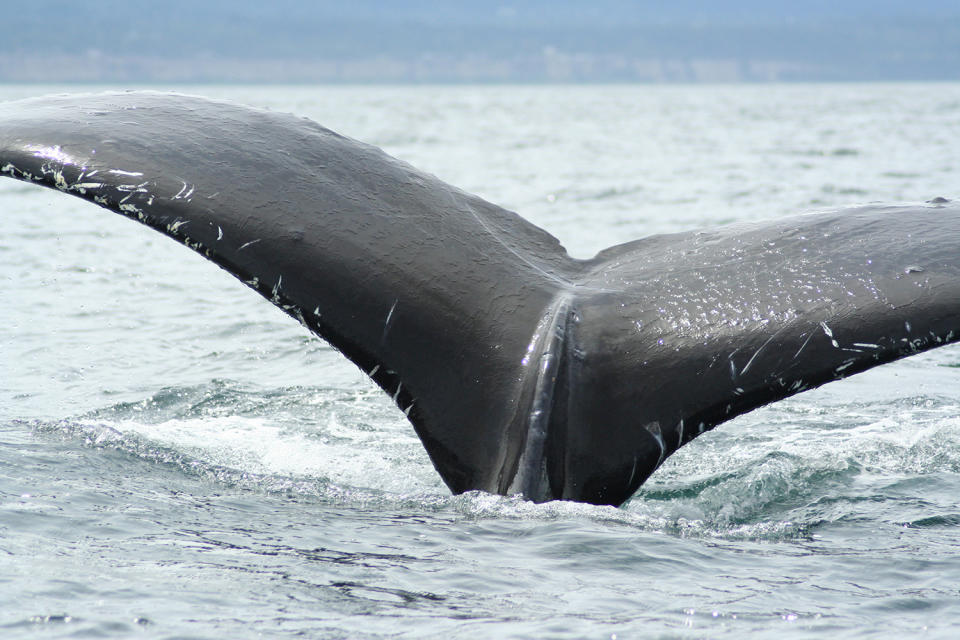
[521,369]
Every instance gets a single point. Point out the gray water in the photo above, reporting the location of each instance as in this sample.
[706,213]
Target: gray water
[179,459]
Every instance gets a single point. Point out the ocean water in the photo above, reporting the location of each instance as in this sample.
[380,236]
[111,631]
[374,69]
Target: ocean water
[179,459]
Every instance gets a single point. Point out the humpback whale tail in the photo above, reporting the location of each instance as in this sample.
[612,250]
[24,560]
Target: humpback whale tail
[521,369]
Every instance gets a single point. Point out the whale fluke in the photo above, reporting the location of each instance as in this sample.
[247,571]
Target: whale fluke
[521,368]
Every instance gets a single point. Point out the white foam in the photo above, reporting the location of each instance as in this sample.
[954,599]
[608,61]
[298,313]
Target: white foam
[341,455]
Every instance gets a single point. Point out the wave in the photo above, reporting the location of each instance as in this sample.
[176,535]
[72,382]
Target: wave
[779,474]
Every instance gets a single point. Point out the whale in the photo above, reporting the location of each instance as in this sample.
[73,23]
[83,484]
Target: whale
[521,369]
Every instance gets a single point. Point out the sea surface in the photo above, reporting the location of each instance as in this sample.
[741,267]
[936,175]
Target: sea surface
[179,459]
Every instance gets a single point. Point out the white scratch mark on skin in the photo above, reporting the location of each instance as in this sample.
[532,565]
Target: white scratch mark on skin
[386,324]
[680,438]
[135,174]
[219,233]
[845,365]
[803,346]
[406,411]
[301,319]
[829,332]
[756,353]
[59,181]
[255,283]
[374,371]
[138,188]
[174,226]
[653,428]
[247,244]
[276,290]
[633,471]
[185,191]
[397,393]
[906,325]
[392,309]
[196,246]
[133,189]
[866,345]
[316,311]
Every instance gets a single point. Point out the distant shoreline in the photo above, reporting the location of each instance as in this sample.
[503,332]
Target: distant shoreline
[166,84]
[547,67]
